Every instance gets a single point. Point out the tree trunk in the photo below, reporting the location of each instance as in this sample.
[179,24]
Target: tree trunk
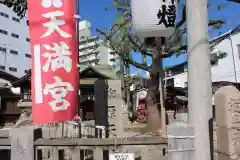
[154,115]
[160,44]
[128,86]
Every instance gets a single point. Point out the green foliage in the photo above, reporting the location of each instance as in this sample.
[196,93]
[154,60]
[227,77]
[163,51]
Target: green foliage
[119,5]
[122,39]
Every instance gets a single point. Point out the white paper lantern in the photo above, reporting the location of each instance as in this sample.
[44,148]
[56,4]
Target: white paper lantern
[148,17]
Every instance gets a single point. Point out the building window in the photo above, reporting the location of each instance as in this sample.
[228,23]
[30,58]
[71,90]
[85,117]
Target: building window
[214,59]
[26,71]
[112,53]
[170,82]
[15,35]
[3,32]
[185,68]
[4,15]
[13,52]
[27,39]
[112,59]
[15,19]
[2,67]
[27,55]
[3,49]
[12,69]
[169,73]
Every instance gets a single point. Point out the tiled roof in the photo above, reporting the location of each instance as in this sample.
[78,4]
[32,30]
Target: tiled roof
[106,71]
[8,76]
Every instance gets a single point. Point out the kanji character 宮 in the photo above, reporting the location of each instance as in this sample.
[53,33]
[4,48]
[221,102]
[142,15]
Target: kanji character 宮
[59,58]
[58,91]
[54,24]
[49,3]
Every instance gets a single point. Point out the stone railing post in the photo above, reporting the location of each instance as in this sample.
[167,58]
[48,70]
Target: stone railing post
[98,153]
[227,103]
[22,142]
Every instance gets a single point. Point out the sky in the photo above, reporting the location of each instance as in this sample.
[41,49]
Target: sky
[94,12]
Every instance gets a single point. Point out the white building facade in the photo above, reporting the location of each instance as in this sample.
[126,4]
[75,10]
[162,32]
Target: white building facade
[15,56]
[92,50]
[225,60]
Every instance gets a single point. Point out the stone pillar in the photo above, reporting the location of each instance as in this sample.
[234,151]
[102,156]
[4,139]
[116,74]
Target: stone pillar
[117,118]
[227,102]
[22,142]
[75,154]
[170,115]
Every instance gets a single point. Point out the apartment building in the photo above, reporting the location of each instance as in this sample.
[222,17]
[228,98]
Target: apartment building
[15,57]
[92,50]
[225,61]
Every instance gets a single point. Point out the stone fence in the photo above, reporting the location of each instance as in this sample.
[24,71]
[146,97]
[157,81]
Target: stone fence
[25,143]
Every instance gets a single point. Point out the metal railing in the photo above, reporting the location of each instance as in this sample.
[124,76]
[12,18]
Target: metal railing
[71,129]
[27,96]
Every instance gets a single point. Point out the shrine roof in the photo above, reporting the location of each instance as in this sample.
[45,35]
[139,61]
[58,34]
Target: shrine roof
[104,70]
[7,76]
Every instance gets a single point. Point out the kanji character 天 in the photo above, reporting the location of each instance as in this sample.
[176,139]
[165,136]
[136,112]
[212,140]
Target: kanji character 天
[54,24]
[54,3]
[59,58]
[58,91]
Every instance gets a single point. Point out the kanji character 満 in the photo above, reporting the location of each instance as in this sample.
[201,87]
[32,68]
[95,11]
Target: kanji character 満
[58,58]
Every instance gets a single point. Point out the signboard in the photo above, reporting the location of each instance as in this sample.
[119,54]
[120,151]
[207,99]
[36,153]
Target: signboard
[54,78]
[154,18]
[121,156]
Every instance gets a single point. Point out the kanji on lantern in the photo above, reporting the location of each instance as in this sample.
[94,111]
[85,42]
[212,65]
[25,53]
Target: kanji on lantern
[54,24]
[58,91]
[49,3]
[167,15]
[57,57]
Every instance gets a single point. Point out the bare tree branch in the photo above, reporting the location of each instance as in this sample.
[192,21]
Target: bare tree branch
[122,53]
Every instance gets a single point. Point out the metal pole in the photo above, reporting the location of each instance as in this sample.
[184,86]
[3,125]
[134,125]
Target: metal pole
[233,59]
[77,28]
[77,35]
[199,76]
[5,56]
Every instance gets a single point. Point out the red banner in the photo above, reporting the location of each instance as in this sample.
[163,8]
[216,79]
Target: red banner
[54,78]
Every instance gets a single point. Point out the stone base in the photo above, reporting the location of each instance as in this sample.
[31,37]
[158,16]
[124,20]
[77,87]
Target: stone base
[222,156]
